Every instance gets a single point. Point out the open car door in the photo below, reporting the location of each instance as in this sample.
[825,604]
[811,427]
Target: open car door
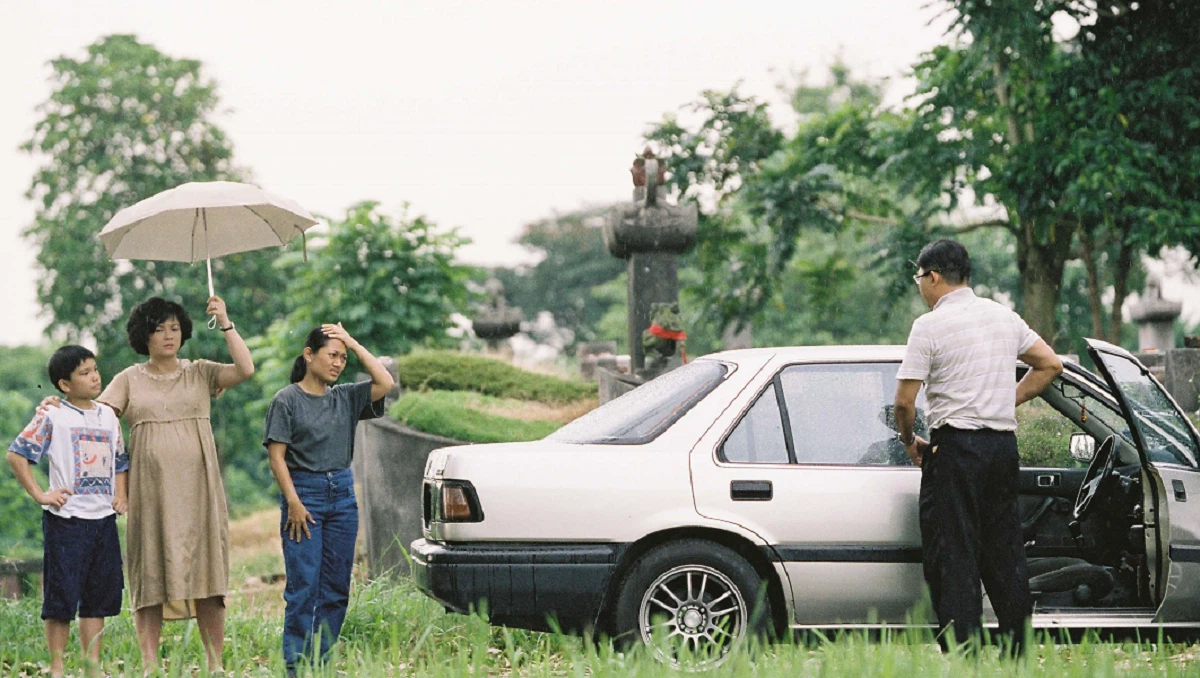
[1170,449]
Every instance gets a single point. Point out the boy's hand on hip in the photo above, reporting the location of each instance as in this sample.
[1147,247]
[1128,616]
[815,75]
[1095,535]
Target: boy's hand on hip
[55,498]
[120,505]
[298,521]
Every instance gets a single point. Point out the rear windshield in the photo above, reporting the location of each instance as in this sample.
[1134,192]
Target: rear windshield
[645,412]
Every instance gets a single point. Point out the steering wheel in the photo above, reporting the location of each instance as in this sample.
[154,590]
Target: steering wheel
[1100,469]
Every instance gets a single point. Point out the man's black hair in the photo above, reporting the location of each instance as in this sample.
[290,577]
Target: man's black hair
[64,361]
[151,313]
[947,257]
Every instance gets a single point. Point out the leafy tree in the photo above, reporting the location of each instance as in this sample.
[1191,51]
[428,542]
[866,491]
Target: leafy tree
[124,123]
[1092,136]
[21,530]
[573,261]
[786,222]
[708,163]
[391,281]
[23,370]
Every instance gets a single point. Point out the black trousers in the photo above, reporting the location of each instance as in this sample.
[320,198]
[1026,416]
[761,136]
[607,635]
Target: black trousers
[971,531]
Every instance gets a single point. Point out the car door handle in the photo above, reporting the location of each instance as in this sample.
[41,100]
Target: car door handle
[1180,490]
[1049,480]
[750,490]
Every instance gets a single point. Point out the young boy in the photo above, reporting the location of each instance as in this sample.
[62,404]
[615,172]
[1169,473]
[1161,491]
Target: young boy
[82,560]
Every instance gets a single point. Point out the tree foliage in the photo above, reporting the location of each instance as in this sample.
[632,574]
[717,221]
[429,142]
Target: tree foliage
[573,262]
[1092,135]
[392,282]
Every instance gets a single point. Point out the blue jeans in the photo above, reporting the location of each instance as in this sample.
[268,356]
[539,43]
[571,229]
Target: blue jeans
[318,568]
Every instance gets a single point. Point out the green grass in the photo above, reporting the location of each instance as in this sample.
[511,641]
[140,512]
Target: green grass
[454,371]
[456,414]
[393,630]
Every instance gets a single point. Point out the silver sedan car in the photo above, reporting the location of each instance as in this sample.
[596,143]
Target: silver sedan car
[764,489]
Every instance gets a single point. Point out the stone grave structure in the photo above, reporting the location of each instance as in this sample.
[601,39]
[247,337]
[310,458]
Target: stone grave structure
[1155,317]
[650,235]
[1177,368]
[496,322]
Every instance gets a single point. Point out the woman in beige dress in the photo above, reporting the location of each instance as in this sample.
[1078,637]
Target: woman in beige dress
[178,534]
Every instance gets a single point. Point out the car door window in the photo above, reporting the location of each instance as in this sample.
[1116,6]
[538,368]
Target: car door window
[758,438]
[1044,436]
[842,414]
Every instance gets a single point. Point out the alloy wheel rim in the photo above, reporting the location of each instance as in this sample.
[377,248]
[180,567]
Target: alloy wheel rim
[693,612]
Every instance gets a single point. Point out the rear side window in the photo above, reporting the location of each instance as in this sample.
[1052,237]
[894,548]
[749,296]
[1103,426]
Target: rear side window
[645,412]
[758,438]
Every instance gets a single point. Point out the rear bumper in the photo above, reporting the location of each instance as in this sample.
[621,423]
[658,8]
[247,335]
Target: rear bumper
[529,586]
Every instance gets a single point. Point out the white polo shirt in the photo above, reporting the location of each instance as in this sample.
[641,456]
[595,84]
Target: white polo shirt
[965,350]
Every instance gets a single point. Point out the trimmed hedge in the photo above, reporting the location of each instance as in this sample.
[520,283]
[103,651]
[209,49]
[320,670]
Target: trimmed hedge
[454,371]
[456,415]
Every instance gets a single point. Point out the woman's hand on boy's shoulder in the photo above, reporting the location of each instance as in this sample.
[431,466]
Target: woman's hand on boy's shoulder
[49,401]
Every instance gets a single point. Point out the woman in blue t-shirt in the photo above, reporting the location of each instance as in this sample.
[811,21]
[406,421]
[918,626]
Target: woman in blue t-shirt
[310,441]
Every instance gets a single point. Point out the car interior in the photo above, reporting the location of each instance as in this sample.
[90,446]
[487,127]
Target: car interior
[1082,500]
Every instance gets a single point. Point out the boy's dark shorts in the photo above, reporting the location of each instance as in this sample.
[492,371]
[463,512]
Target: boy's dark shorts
[81,568]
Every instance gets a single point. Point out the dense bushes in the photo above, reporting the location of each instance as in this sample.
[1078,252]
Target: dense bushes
[482,400]
[452,371]
[460,416]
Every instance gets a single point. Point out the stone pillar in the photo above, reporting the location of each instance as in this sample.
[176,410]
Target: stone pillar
[1155,317]
[649,235]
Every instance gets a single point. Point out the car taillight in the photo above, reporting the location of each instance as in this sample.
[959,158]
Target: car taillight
[459,503]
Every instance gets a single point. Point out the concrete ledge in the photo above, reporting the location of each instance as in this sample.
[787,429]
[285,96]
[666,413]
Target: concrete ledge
[613,384]
[389,468]
[13,571]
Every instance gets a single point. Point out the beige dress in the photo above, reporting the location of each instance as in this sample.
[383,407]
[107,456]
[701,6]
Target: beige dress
[178,533]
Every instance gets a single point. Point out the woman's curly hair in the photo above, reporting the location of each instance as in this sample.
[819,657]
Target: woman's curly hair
[151,313]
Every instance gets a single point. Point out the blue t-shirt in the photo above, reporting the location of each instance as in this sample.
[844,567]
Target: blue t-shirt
[319,430]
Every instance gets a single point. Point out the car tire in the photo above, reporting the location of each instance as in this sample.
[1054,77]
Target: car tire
[703,595]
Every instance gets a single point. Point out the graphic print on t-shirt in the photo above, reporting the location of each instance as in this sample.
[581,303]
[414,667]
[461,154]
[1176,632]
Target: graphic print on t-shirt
[93,448]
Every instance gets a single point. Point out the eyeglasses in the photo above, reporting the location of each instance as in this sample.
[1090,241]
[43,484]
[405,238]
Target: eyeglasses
[917,277]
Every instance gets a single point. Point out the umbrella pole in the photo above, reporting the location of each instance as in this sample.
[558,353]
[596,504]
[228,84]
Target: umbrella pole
[212,322]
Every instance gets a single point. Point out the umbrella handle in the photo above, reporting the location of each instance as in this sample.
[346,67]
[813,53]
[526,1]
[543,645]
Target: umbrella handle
[212,321]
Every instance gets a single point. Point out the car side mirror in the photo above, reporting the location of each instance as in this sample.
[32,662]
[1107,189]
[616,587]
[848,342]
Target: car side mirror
[1083,447]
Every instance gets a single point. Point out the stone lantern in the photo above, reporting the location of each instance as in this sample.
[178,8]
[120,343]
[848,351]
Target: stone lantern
[1155,317]
[650,235]
[497,321]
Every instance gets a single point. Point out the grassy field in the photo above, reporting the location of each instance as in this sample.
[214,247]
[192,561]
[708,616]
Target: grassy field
[394,630]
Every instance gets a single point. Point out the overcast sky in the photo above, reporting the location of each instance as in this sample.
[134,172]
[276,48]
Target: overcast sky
[480,115]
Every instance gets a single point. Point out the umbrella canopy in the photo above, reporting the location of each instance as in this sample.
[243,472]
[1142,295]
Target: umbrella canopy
[197,221]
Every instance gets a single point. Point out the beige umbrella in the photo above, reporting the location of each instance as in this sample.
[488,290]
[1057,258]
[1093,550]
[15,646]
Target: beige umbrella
[202,220]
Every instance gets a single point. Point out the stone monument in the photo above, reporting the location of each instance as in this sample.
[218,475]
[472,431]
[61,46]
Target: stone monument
[1155,317]
[650,235]
[496,321]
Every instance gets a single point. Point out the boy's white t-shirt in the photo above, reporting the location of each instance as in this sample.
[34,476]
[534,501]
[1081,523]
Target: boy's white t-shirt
[85,452]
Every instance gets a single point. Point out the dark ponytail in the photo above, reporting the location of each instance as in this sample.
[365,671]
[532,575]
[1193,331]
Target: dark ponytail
[316,340]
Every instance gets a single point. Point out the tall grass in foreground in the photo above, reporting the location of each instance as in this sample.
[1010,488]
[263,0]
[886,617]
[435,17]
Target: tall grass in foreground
[394,630]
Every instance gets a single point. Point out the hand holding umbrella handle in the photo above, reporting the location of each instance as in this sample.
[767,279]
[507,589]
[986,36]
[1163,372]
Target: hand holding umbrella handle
[218,315]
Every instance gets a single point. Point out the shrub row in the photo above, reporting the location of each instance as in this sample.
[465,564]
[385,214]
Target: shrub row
[454,371]
[455,415]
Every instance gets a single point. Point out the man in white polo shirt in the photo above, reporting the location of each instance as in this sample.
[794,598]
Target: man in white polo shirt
[965,351]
